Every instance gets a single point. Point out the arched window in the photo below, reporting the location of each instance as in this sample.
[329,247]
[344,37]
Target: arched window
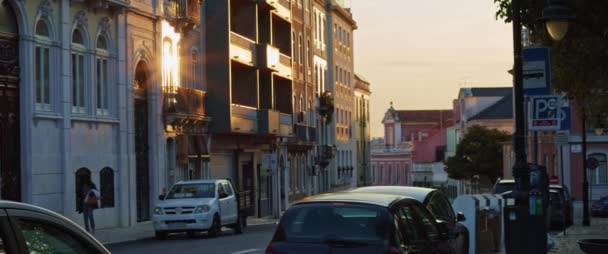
[78,67]
[600,174]
[42,66]
[102,76]
[83,176]
[42,29]
[106,178]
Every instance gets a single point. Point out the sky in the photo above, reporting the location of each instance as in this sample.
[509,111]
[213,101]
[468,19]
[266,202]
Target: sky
[417,54]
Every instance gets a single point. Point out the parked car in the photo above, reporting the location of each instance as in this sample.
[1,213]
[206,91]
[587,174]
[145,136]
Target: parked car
[29,229]
[503,185]
[557,210]
[600,207]
[437,204]
[357,223]
[199,205]
[567,199]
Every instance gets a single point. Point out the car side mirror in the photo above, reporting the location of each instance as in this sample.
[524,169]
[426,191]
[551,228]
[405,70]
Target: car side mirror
[161,197]
[442,227]
[222,195]
[460,217]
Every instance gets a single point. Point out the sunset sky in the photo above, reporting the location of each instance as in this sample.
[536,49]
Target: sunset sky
[419,53]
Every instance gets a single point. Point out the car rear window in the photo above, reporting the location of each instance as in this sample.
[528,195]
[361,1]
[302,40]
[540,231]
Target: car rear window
[318,222]
[504,187]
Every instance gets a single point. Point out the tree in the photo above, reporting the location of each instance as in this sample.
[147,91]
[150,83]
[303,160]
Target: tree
[578,62]
[478,153]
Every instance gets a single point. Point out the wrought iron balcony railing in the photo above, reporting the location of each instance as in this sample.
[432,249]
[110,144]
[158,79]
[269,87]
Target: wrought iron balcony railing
[184,101]
[185,13]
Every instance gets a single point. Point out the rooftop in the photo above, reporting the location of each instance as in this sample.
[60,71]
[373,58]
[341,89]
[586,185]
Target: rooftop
[502,109]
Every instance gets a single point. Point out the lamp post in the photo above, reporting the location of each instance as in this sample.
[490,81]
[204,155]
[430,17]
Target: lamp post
[557,16]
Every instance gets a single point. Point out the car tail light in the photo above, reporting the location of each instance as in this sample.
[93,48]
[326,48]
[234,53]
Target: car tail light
[269,249]
[393,250]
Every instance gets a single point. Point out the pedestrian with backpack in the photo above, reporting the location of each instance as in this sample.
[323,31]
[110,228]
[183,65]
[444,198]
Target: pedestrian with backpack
[90,202]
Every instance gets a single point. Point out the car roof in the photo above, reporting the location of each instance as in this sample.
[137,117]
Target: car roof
[200,181]
[384,200]
[417,193]
[506,181]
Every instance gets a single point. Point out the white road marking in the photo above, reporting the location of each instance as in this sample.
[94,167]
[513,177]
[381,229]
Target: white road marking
[244,251]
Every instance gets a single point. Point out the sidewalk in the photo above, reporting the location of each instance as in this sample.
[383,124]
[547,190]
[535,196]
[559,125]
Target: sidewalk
[568,243]
[146,230]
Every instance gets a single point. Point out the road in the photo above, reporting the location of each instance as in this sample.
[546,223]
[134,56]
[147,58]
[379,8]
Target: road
[252,241]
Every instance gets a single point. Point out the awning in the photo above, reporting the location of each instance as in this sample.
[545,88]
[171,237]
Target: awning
[197,147]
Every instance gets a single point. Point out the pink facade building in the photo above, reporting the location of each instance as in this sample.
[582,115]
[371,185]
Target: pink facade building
[393,158]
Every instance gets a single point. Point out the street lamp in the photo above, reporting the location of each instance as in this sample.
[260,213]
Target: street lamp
[557,17]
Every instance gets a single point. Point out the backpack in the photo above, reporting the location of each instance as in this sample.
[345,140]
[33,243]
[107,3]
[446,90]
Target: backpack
[92,199]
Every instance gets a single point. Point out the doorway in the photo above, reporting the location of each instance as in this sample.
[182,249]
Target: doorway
[142,147]
[10,146]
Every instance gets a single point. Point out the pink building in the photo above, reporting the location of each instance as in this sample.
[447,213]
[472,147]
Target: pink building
[404,130]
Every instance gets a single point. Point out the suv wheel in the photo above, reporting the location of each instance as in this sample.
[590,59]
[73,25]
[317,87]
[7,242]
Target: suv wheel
[216,227]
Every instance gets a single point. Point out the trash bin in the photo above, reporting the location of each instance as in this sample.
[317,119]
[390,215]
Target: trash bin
[488,230]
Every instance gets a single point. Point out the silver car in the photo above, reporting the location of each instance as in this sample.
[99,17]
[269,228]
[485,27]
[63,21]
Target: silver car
[30,229]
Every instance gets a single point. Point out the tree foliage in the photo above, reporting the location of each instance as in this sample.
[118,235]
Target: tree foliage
[579,62]
[478,153]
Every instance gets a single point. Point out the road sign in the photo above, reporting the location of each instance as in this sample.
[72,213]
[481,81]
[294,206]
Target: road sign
[544,113]
[592,163]
[536,71]
[561,138]
[554,180]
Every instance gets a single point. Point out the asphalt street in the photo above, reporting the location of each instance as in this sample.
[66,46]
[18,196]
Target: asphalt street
[253,241]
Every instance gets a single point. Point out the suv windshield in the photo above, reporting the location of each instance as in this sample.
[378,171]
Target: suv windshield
[198,190]
[326,222]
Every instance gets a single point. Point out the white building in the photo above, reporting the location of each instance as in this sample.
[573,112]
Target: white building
[85,89]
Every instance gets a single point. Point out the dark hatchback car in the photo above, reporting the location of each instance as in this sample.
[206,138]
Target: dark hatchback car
[437,204]
[600,207]
[567,209]
[357,223]
[503,185]
[30,229]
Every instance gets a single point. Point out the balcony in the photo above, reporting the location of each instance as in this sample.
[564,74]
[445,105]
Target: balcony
[325,154]
[281,7]
[285,125]
[184,107]
[305,133]
[269,122]
[270,58]
[405,147]
[244,119]
[242,49]
[185,14]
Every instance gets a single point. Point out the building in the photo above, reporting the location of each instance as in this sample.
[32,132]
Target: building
[490,107]
[362,131]
[249,78]
[302,149]
[404,131]
[340,27]
[104,102]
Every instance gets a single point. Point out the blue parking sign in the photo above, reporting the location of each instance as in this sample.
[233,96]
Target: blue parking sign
[545,112]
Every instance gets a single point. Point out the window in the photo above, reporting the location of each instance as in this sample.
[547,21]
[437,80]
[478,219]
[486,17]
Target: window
[201,190]
[102,86]
[381,174]
[42,72]
[308,54]
[220,190]
[398,178]
[3,242]
[441,208]
[598,176]
[427,222]
[78,67]
[195,69]
[390,173]
[45,238]
[301,50]
[227,189]
[83,176]
[106,177]
[409,224]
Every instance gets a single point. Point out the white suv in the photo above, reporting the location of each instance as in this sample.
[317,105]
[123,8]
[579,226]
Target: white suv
[200,205]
